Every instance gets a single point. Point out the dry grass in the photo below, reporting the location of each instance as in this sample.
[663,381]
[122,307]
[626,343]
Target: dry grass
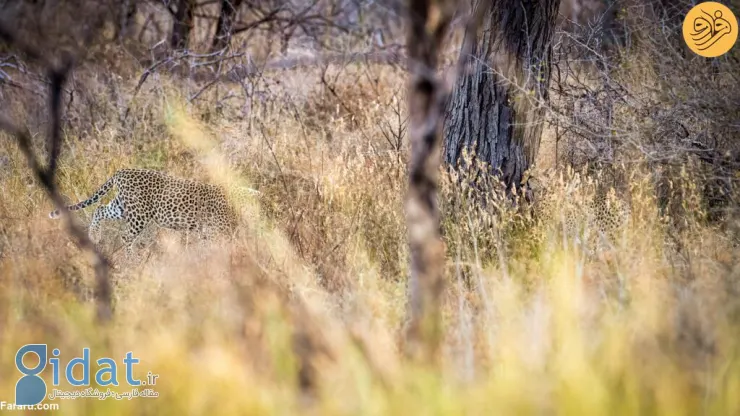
[304,311]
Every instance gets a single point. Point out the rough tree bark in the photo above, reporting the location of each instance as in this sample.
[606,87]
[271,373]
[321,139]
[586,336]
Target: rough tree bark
[225,23]
[183,24]
[497,109]
[429,20]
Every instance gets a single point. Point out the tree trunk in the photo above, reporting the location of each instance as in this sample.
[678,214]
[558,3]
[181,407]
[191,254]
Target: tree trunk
[497,108]
[183,24]
[429,20]
[225,23]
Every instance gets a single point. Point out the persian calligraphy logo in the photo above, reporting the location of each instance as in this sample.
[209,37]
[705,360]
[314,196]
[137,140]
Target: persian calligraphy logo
[710,29]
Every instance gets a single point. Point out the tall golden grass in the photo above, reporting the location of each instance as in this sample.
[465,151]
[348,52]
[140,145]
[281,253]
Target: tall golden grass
[304,310]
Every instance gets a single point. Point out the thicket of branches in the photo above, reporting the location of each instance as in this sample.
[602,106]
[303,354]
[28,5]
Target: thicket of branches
[175,21]
[628,91]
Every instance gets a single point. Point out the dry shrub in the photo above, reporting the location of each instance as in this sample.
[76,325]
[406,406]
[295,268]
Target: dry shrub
[638,95]
[304,308]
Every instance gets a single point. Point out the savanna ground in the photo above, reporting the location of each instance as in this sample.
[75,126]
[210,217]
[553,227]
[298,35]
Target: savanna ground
[304,310]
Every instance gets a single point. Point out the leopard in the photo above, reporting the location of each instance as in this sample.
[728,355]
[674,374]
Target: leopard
[148,196]
[608,216]
[594,220]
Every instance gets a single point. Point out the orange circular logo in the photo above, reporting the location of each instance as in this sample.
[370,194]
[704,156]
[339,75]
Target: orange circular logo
[710,29]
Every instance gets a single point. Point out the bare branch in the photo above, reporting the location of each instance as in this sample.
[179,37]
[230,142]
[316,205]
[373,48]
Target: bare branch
[429,21]
[45,176]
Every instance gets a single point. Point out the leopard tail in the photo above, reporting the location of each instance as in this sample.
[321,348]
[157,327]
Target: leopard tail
[93,199]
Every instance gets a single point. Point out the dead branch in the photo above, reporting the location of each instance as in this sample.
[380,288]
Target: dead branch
[428,96]
[46,176]
[429,21]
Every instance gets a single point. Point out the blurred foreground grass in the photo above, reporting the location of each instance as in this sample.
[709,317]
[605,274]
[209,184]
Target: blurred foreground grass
[303,312]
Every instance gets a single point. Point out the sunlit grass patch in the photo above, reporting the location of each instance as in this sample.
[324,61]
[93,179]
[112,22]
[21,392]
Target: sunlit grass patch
[304,309]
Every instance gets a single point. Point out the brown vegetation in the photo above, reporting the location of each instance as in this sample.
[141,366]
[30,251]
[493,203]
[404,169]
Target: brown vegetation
[305,309]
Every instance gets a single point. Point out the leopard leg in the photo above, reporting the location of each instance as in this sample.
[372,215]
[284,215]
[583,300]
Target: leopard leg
[112,211]
[133,230]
